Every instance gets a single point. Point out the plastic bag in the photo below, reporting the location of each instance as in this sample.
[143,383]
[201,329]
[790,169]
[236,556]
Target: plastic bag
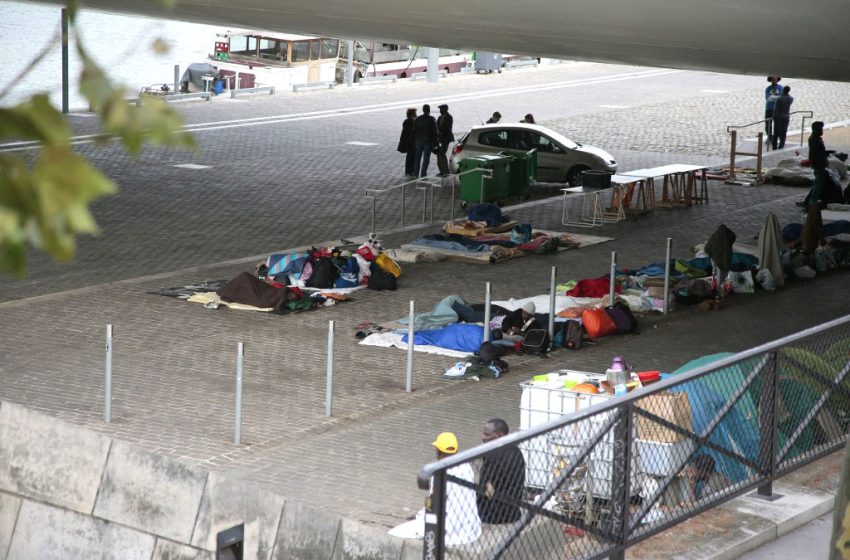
[765,279]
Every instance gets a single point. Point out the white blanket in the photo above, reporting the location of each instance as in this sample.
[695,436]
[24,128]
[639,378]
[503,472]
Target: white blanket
[393,339]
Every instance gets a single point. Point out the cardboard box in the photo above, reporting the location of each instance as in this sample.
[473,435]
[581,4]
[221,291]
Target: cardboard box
[672,407]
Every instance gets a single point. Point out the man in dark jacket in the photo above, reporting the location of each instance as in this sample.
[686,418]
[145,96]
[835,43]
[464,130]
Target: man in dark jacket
[781,117]
[502,479]
[818,155]
[407,143]
[445,137]
[425,135]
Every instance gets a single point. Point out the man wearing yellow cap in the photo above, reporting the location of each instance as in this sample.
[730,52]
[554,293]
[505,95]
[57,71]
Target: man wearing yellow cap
[462,523]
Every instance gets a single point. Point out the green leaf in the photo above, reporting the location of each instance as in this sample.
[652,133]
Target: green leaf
[36,119]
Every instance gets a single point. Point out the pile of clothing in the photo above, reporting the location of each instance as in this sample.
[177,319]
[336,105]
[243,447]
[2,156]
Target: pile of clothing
[334,268]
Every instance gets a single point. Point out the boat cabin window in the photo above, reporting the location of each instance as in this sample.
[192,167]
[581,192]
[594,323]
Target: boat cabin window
[330,48]
[300,51]
[244,45]
[269,49]
[314,50]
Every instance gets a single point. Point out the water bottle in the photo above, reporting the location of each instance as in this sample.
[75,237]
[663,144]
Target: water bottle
[617,375]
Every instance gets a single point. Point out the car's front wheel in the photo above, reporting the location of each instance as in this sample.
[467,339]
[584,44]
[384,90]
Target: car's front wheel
[574,175]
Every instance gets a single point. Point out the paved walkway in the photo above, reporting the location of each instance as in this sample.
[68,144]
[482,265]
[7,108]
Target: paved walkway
[286,184]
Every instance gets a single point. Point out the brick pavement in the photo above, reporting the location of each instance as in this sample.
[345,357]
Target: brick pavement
[174,361]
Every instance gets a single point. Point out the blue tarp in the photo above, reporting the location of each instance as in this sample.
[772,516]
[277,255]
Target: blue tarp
[458,336]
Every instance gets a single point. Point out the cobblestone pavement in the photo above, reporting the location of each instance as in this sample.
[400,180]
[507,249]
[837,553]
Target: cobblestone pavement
[296,182]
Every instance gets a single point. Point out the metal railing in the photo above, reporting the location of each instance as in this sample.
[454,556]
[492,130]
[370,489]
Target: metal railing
[732,130]
[427,185]
[591,483]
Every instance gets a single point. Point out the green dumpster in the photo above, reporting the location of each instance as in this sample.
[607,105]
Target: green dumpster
[523,172]
[497,187]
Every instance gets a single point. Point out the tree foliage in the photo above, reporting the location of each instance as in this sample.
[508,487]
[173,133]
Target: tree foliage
[45,198]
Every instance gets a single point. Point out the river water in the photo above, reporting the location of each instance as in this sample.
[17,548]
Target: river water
[121,44]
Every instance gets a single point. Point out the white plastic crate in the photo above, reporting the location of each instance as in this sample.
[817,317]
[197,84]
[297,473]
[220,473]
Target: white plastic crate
[546,455]
[661,458]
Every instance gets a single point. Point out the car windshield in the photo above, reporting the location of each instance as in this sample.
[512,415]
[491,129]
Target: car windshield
[563,140]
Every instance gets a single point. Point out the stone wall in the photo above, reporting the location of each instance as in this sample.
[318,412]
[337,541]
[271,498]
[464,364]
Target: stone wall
[67,492]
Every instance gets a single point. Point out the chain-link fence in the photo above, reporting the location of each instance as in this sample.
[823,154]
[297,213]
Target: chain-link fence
[597,473]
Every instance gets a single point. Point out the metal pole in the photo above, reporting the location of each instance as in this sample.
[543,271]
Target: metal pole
[177,79]
[552,281]
[733,148]
[408,383]
[240,353]
[107,396]
[452,216]
[329,385]
[667,275]
[613,276]
[487,312]
[767,430]
[403,188]
[433,64]
[373,214]
[65,63]
[349,69]
[759,155]
[435,519]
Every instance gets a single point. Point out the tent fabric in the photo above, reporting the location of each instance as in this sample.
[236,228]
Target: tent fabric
[195,72]
[735,432]
[769,255]
[464,337]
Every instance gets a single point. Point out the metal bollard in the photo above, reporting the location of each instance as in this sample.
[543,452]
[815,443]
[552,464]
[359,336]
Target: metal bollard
[667,274]
[240,353]
[487,312]
[177,78]
[107,392]
[552,281]
[329,384]
[408,384]
[613,276]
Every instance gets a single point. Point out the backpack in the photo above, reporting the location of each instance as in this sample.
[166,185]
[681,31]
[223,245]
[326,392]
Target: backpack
[622,317]
[573,335]
[536,341]
[489,352]
[324,274]
[379,279]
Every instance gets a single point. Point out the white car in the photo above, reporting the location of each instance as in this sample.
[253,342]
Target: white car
[559,159]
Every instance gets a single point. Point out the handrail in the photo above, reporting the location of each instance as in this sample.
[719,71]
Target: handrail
[732,130]
[426,184]
[806,115]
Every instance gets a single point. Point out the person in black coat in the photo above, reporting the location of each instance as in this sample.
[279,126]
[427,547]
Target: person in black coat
[445,138]
[407,143]
[425,135]
[781,118]
[502,479]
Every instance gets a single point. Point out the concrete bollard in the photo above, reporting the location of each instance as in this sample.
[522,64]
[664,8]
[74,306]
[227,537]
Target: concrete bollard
[613,283]
[240,353]
[552,282]
[408,384]
[107,392]
[329,383]
[487,312]
[667,275]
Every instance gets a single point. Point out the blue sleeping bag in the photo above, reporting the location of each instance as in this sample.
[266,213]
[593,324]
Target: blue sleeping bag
[457,336]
